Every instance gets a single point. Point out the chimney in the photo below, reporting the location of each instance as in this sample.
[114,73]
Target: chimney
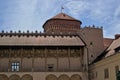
[117,36]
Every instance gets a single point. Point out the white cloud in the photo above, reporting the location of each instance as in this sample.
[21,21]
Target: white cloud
[98,9]
[19,14]
[104,13]
[77,6]
[27,14]
[114,23]
[117,12]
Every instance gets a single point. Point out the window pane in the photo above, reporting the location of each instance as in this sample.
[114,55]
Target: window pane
[12,68]
[116,68]
[17,63]
[106,73]
[15,66]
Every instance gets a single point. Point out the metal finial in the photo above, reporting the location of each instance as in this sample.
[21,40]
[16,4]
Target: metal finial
[62,8]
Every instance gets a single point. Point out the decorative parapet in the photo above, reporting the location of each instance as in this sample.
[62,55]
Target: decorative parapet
[94,27]
[36,33]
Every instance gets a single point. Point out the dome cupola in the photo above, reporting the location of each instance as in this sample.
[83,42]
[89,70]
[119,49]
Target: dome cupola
[62,23]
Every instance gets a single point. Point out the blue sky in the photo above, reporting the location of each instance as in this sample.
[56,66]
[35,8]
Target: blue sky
[31,14]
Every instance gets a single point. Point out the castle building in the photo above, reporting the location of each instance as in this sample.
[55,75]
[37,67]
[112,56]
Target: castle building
[107,65]
[62,52]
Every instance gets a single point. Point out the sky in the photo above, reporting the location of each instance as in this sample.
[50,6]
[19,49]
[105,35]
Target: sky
[30,15]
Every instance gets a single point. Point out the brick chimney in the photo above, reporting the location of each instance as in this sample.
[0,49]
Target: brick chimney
[117,36]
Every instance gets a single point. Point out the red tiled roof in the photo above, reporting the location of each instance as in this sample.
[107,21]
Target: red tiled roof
[107,41]
[63,16]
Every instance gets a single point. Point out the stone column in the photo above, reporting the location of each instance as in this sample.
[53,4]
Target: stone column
[9,60]
[69,57]
[32,59]
[45,59]
[57,59]
[21,60]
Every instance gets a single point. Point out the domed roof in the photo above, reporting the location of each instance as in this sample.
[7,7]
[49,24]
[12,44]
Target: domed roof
[63,16]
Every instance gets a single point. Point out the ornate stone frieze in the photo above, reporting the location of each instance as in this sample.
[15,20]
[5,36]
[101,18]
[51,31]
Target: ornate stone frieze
[62,52]
[4,53]
[15,53]
[27,53]
[39,53]
[51,52]
[75,53]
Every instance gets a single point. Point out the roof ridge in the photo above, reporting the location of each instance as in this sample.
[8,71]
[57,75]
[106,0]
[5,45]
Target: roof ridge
[63,16]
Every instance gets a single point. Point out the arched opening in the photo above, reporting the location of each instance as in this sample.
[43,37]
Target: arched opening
[76,77]
[14,77]
[3,77]
[63,77]
[27,77]
[51,77]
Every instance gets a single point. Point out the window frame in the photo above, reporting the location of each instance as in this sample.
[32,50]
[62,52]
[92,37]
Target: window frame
[15,66]
[116,69]
[106,73]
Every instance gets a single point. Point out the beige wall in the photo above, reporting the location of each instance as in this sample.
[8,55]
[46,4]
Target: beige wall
[26,64]
[68,65]
[108,63]
[75,64]
[51,61]
[63,64]
[4,63]
[41,64]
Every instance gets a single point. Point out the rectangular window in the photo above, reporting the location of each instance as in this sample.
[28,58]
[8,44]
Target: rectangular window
[92,75]
[116,69]
[96,74]
[106,73]
[15,66]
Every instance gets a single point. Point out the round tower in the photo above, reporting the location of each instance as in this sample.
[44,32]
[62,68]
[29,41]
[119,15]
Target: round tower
[62,23]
